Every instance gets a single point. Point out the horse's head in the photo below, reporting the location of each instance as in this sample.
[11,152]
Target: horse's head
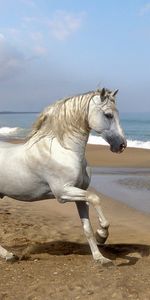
[104,119]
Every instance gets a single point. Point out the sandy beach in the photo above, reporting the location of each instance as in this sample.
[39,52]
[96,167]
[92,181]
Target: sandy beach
[56,261]
[131,157]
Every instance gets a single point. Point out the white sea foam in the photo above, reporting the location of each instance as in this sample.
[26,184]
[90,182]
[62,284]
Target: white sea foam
[97,140]
[6,131]
[138,144]
[14,132]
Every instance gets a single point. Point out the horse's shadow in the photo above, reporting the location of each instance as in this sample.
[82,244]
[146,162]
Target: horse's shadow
[128,253]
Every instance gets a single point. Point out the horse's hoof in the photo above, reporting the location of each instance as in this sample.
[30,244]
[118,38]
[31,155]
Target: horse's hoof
[11,257]
[100,239]
[105,262]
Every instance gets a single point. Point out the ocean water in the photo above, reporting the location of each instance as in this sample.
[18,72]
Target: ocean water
[136,127]
[16,125]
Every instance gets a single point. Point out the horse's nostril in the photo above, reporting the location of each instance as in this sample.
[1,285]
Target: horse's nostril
[122,147]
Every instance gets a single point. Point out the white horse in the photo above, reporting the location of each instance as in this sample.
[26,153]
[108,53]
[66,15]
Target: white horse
[51,163]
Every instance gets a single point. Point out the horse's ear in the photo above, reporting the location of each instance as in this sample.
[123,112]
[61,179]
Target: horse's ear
[102,93]
[115,93]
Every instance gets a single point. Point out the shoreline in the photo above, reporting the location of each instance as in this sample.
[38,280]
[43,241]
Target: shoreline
[124,177]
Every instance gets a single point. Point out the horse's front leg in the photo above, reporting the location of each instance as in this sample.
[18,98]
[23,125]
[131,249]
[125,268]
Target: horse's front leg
[101,233]
[80,196]
[9,256]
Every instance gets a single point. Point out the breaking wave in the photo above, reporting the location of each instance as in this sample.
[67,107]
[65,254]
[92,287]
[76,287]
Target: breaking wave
[97,140]
[12,132]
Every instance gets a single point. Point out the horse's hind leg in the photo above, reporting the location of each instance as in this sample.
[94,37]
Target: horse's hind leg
[9,256]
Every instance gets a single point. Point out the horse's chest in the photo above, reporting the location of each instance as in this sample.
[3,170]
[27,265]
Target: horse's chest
[79,177]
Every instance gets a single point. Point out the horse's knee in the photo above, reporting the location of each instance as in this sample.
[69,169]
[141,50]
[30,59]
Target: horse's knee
[60,197]
[61,200]
[93,198]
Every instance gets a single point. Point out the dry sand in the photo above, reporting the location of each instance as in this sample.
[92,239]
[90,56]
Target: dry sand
[57,262]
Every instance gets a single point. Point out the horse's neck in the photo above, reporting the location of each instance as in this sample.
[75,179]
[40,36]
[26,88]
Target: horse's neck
[76,144]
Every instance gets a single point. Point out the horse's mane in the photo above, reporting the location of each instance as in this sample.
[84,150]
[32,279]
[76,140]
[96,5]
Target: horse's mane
[65,116]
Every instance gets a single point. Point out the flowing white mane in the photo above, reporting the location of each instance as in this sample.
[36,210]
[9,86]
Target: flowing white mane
[65,116]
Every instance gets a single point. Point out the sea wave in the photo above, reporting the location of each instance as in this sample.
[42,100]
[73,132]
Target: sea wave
[17,132]
[97,140]
[8,131]
[14,132]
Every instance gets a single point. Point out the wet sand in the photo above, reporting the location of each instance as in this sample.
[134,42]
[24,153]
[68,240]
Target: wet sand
[128,185]
[57,262]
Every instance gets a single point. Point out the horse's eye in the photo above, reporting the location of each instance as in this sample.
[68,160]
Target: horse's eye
[109,115]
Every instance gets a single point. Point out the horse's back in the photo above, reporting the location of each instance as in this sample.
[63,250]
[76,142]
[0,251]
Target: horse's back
[10,153]
[10,145]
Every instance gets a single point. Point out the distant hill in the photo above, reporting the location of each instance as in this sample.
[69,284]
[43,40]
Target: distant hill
[18,112]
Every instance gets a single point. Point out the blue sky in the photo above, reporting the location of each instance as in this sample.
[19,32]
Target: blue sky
[52,49]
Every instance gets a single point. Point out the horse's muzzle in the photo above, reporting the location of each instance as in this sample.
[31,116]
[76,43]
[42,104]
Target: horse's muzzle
[120,148]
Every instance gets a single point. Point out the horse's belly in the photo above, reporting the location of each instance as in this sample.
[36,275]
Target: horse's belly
[25,189]
[32,197]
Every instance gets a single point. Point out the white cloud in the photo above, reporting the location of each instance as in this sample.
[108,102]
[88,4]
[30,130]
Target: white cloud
[29,19]
[39,48]
[145,9]
[64,24]
[2,38]
[40,51]
[11,60]
[37,36]
[29,2]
